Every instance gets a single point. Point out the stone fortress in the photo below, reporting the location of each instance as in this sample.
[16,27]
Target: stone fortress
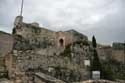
[59,54]
[36,34]
[39,55]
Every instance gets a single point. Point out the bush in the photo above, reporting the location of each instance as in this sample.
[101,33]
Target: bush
[107,72]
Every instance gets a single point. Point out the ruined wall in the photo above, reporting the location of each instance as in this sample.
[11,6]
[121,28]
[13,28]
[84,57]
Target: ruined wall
[115,52]
[66,62]
[113,58]
[118,52]
[6,43]
[64,55]
[38,35]
[105,52]
[59,54]
[118,55]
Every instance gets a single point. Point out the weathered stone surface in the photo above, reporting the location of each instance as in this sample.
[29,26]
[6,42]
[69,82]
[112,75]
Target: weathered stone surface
[6,43]
[5,81]
[41,50]
[66,62]
[46,78]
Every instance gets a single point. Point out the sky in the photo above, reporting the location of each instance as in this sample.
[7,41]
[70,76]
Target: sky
[103,18]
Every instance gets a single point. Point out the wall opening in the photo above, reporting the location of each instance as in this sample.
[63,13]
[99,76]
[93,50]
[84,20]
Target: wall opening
[61,42]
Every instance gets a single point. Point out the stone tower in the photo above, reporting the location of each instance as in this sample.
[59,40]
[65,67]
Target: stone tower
[18,21]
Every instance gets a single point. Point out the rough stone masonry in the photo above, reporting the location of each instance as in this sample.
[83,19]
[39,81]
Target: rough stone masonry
[59,54]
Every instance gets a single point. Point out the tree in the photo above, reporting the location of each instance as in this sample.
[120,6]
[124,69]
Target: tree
[94,42]
[107,72]
[95,62]
[14,31]
[96,65]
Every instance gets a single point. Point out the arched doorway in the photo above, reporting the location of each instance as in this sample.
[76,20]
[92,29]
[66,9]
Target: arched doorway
[61,42]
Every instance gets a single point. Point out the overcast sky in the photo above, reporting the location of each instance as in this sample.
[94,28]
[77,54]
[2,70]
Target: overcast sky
[103,18]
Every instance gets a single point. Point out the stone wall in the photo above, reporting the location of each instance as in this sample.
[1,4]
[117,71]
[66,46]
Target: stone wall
[56,62]
[118,51]
[118,55]
[6,43]
[118,46]
[38,35]
[64,55]
[58,54]
[105,52]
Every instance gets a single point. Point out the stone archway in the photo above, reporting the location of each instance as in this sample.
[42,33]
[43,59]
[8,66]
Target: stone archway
[61,42]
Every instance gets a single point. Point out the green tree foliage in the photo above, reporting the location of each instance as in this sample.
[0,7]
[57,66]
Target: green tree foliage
[107,72]
[14,31]
[95,64]
[94,42]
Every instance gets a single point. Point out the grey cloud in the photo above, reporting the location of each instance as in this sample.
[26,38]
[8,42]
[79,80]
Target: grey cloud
[86,16]
[110,29]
